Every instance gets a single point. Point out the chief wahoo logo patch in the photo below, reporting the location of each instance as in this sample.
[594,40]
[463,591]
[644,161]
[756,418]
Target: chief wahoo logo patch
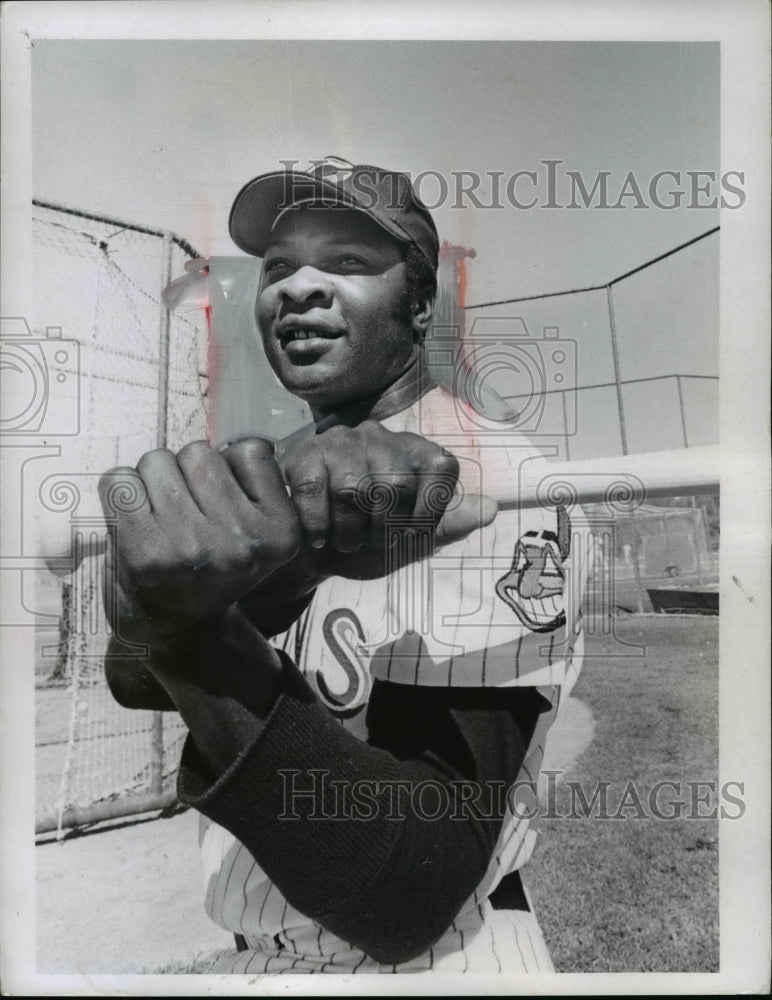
[534,585]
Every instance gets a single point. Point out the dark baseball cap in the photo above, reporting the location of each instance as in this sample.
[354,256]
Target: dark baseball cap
[387,196]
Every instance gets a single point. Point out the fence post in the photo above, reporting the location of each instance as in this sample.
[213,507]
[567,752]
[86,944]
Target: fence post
[157,726]
[617,375]
[75,638]
[696,534]
[157,753]
[163,347]
[683,412]
[623,436]
[65,627]
[636,563]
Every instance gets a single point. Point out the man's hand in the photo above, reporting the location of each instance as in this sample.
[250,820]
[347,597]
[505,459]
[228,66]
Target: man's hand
[356,489]
[195,532]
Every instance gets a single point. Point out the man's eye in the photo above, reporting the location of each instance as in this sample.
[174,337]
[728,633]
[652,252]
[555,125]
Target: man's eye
[350,262]
[276,265]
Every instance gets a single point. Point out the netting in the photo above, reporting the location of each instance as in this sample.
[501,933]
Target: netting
[651,547]
[102,286]
[624,367]
[100,282]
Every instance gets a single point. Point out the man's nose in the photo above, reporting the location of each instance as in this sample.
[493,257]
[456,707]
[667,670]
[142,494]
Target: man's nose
[307,287]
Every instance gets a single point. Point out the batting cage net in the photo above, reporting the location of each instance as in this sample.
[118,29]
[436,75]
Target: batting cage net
[141,377]
[620,368]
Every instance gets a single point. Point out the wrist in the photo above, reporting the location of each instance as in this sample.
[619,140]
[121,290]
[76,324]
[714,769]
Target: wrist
[282,597]
[222,656]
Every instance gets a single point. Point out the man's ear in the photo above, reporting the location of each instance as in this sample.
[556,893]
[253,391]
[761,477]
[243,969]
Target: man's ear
[423,311]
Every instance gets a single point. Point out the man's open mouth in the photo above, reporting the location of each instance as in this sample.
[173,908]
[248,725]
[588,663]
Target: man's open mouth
[292,334]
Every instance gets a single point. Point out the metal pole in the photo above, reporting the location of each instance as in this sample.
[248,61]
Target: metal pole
[706,536]
[636,564]
[623,436]
[692,498]
[683,414]
[594,288]
[163,347]
[697,522]
[617,378]
[77,664]
[157,725]
[75,816]
[112,220]
[565,421]
[157,754]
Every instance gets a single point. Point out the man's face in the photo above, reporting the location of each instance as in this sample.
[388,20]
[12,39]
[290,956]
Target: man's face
[332,306]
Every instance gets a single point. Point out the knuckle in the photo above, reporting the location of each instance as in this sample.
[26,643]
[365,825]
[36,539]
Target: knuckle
[444,463]
[151,459]
[243,554]
[352,479]
[284,538]
[121,490]
[116,474]
[337,440]
[253,449]
[337,433]
[191,553]
[349,498]
[404,485]
[286,546]
[194,446]
[193,452]
[306,446]
[418,450]
[309,489]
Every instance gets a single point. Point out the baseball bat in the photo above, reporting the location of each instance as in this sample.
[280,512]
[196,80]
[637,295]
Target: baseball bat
[622,481]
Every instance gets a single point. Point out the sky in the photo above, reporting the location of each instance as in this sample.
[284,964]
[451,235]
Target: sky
[165,133]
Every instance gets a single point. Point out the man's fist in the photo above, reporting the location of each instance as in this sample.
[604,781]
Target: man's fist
[194,532]
[355,489]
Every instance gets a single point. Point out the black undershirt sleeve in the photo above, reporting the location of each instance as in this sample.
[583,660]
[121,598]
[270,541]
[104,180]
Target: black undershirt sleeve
[339,825]
[131,683]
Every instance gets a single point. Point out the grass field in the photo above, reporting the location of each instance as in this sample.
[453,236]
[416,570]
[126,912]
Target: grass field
[638,893]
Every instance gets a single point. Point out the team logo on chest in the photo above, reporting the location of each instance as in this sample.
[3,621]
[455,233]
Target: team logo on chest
[345,639]
[534,585]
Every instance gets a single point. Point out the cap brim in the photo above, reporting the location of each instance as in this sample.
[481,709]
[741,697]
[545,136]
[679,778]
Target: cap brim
[263,199]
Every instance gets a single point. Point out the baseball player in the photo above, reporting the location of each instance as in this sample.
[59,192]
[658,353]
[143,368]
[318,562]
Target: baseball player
[368,659]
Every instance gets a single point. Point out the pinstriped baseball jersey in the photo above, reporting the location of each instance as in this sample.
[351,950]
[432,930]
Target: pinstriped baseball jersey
[499,608]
